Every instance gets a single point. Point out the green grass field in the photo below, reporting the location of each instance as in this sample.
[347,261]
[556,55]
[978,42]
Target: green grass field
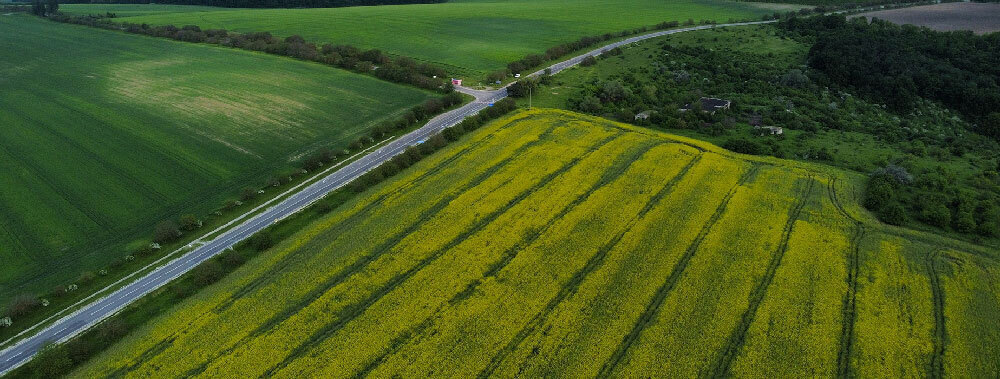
[555,244]
[105,134]
[470,37]
[851,132]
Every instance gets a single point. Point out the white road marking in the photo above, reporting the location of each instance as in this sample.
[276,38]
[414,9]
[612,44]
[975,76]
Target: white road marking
[290,205]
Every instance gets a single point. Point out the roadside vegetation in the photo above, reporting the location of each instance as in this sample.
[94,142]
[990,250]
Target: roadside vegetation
[468,39]
[372,62]
[296,299]
[705,248]
[292,3]
[905,67]
[133,132]
[59,360]
[931,166]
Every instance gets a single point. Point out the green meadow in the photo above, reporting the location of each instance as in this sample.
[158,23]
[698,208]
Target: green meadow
[553,244]
[105,134]
[124,10]
[470,37]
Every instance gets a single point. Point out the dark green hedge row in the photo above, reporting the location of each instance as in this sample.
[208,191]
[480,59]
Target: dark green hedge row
[371,62]
[265,3]
[414,154]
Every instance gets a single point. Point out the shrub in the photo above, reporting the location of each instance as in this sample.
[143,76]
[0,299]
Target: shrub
[166,231]
[189,222]
[744,146]
[207,272]
[893,214]
[23,305]
[936,213]
[261,241]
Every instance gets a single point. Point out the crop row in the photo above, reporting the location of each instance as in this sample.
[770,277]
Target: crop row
[463,216]
[971,287]
[581,332]
[315,260]
[554,245]
[463,337]
[438,285]
[895,324]
[714,290]
[594,263]
[796,329]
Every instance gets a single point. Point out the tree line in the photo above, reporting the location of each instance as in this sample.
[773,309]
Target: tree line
[903,67]
[535,60]
[265,3]
[899,65]
[59,360]
[370,62]
[767,89]
[168,233]
[44,8]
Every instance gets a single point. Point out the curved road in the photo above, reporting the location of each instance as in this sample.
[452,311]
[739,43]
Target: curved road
[89,315]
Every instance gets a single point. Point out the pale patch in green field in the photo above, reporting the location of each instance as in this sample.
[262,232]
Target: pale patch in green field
[106,134]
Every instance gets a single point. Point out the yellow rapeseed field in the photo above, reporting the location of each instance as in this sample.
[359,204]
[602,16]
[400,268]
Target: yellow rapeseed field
[970,312]
[552,244]
[797,328]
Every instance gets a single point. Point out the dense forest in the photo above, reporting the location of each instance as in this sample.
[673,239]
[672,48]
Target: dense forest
[264,3]
[900,65]
[927,165]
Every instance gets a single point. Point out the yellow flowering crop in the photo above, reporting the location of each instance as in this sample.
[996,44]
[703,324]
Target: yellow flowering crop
[971,303]
[551,244]
[697,317]
[894,327]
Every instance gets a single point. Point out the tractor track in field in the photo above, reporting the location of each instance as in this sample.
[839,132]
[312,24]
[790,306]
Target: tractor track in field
[574,283]
[151,352]
[936,369]
[70,197]
[19,238]
[363,262]
[350,220]
[143,188]
[79,321]
[738,336]
[653,307]
[611,174]
[350,312]
[849,308]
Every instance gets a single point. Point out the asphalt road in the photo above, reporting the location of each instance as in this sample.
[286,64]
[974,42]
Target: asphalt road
[89,315]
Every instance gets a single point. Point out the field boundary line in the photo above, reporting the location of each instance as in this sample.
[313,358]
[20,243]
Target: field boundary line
[653,307]
[936,369]
[156,263]
[593,263]
[368,208]
[738,336]
[432,127]
[849,307]
[612,173]
[350,312]
[365,260]
[152,351]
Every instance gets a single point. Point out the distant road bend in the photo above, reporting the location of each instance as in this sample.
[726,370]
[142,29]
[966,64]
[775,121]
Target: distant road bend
[93,313]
